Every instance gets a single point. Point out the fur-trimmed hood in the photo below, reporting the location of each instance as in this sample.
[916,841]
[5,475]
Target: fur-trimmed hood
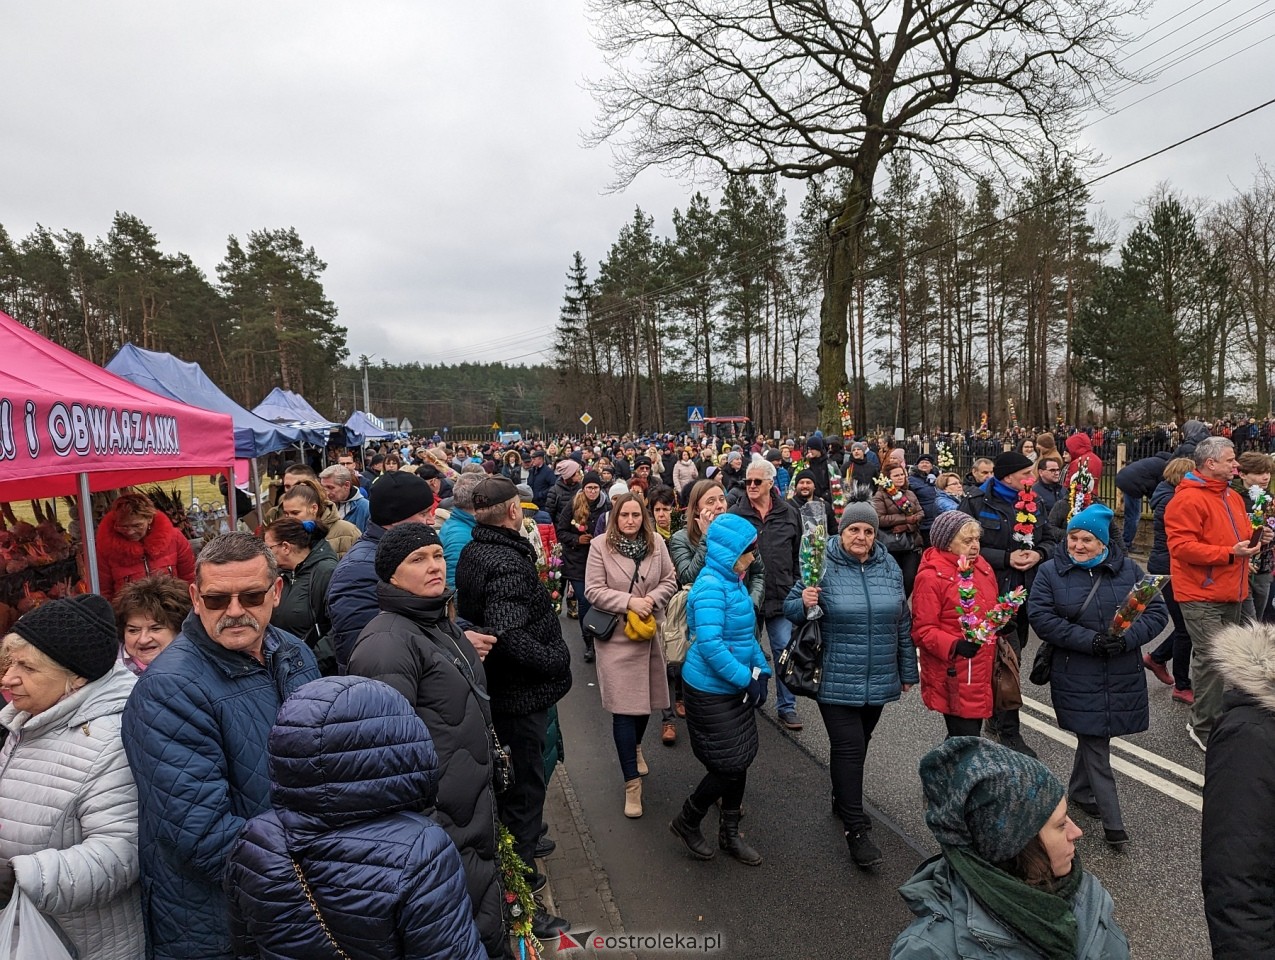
[1245,656]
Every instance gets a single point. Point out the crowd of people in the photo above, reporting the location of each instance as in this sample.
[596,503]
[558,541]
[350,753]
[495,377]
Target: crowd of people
[333,733]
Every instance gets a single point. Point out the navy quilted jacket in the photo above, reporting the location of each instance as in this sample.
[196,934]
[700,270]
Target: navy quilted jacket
[352,593]
[352,767]
[195,730]
[867,629]
[1094,696]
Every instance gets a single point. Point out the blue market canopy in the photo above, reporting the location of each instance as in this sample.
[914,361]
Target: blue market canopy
[291,410]
[362,428]
[187,383]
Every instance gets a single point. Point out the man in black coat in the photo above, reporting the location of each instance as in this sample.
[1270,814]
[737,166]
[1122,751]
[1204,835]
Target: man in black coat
[540,477]
[778,527]
[529,666]
[993,504]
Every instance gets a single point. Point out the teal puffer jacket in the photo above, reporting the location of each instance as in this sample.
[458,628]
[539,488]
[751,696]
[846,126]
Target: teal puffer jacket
[951,924]
[867,628]
[719,615]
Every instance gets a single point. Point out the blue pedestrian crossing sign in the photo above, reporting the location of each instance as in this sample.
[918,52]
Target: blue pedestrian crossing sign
[694,414]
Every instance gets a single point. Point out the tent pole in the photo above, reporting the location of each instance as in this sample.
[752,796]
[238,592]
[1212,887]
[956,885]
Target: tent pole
[256,489]
[87,534]
[230,498]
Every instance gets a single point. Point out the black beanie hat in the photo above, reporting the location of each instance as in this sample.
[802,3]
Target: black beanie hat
[1011,461]
[591,477]
[398,544]
[77,632]
[804,475]
[397,495]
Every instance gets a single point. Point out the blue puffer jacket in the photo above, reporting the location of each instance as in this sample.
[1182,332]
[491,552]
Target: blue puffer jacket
[867,628]
[719,614]
[952,924]
[456,532]
[388,880]
[352,599]
[195,731]
[1094,696]
[1158,559]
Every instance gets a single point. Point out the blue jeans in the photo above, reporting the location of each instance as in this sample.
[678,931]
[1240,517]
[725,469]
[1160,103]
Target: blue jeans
[779,630]
[627,731]
[1132,514]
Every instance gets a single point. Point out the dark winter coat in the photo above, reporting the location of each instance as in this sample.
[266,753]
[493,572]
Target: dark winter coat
[352,592]
[575,555]
[415,648]
[387,880]
[305,595]
[559,495]
[195,731]
[1158,560]
[922,485]
[541,480]
[830,515]
[778,545]
[162,550]
[1094,696]
[862,473]
[499,591]
[1049,494]
[997,517]
[1237,846]
[1193,431]
[867,628]
[1140,478]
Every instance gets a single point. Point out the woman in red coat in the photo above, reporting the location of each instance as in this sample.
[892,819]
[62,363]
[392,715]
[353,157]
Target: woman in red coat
[956,674]
[134,540]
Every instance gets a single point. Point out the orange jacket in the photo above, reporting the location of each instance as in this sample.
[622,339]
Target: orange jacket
[1202,523]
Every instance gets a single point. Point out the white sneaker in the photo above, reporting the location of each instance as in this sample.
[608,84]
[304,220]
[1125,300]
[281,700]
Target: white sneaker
[1195,738]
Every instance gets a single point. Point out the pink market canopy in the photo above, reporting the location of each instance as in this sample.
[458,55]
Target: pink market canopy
[62,416]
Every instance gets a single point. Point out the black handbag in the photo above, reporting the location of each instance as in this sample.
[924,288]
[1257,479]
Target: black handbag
[598,624]
[800,666]
[1043,662]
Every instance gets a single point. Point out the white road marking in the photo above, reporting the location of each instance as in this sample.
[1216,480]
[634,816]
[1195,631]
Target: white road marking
[1169,789]
[1146,756]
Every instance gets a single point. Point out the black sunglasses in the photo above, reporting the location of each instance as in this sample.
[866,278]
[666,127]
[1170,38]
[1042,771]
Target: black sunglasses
[755,482]
[247,598]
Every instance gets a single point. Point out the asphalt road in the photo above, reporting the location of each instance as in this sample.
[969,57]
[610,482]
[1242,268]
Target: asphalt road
[807,899]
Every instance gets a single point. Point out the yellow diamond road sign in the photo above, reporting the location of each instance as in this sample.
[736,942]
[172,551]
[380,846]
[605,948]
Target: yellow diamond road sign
[585,418]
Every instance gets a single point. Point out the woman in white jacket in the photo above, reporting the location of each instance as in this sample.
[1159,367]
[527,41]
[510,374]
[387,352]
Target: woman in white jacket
[68,804]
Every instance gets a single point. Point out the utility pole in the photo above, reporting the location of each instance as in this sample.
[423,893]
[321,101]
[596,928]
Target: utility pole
[364,359]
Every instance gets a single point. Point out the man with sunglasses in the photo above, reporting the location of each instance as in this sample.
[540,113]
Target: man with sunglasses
[778,525]
[195,734]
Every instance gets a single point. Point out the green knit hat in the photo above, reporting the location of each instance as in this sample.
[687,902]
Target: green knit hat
[986,798]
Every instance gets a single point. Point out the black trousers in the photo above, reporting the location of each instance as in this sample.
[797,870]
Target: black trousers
[962,726]
[521,807]
[849,733]
[727,787]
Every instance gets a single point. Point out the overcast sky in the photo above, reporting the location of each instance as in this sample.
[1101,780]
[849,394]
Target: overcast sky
[431,151]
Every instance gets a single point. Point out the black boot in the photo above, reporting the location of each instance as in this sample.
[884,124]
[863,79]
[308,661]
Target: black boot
[1011,737]
[685,827]
[588,651]
[729,839]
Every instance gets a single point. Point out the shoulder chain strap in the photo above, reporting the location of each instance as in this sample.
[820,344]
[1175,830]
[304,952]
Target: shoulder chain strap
[309,895]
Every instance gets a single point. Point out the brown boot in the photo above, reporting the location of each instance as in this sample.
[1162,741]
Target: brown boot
[633,798]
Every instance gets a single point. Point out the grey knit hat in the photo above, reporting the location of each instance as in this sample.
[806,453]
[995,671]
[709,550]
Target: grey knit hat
[986,798]
[946,526]
[859,511]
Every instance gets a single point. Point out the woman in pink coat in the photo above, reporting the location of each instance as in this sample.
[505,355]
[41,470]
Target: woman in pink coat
[631,575]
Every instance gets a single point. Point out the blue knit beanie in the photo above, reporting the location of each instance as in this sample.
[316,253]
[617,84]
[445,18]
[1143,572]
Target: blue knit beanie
[986,798]
[1095,519]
